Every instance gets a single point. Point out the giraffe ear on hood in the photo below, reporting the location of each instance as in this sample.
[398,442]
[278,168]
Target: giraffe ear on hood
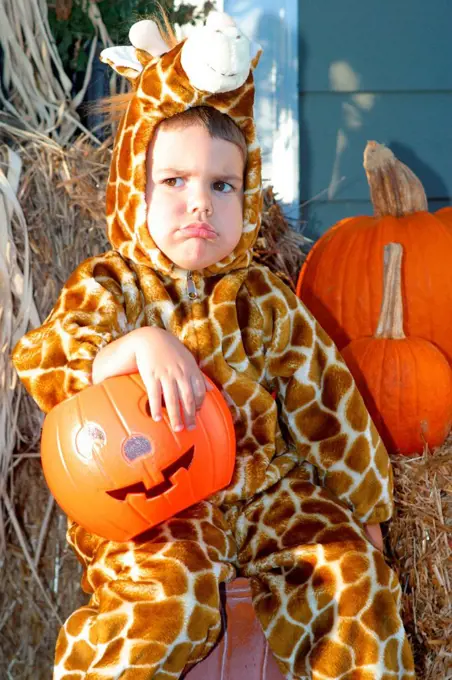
[218,57]
[123,60]
[147,44]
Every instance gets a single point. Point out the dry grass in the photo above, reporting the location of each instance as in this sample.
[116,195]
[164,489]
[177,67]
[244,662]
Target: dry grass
[62,196]
[419,544]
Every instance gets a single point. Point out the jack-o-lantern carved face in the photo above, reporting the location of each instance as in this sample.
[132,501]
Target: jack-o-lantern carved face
[117,473]
[183,462]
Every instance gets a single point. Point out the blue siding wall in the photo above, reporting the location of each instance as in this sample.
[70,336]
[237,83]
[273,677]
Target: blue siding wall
[372,70]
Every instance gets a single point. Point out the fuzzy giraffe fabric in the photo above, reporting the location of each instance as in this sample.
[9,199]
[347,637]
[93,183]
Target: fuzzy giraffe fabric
[310,470]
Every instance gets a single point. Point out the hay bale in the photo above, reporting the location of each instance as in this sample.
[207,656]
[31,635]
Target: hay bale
[419,546]
[62,196]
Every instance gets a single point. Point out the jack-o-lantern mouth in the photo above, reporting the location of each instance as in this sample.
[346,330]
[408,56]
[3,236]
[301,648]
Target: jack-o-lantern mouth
[139,488]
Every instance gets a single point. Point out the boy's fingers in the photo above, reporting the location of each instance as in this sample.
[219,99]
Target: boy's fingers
[199,390]
[208,385]
[188,402]
[171,397]
[154,391]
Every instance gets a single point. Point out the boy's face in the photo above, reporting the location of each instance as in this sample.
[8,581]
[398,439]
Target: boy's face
[194,194]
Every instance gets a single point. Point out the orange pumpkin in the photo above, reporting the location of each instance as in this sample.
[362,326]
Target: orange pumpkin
[340,281]
[445,215]
[406,382]
[116,472]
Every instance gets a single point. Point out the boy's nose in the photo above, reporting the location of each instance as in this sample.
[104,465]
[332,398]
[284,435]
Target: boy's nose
[200,204]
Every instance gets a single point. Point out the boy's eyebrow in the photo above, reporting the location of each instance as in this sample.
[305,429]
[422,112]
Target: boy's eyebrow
[178,172]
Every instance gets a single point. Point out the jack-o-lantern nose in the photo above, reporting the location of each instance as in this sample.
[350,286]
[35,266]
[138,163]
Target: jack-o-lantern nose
[136,446]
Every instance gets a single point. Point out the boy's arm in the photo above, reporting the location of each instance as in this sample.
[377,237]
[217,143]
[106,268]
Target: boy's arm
[96,305]
[323,409]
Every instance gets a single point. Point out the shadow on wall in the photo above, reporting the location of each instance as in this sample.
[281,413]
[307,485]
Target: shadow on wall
[429,177]
[345,117]
[368,71]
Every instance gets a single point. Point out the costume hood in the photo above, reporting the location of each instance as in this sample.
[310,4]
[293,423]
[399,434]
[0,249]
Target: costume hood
[213,67]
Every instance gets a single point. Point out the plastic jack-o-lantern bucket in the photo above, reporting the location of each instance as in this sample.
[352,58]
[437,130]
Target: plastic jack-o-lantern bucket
[116,472]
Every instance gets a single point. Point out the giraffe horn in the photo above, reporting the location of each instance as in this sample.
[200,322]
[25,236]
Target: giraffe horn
[145,35]
[219,20]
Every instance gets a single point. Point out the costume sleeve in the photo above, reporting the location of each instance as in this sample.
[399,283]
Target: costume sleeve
[98,304]
[321,406]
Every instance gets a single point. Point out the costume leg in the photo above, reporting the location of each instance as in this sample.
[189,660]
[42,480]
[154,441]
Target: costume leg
[326,599]
[155,607]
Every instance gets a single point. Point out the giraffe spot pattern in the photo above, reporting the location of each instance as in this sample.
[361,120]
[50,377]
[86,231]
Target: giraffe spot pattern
[266,607]
[359,674]
[359,456]
[336,383]
[149,653]
[77,621]
[280,512]
[302,334]
[328,656]
[318,365]
[299,395]
[298,606]
[304,531]
[323,624]
[79,657]
[316,424]
[206,590]
[356,412]
[201,620]
[379,617]
[366,648]
[157,621]
[325,586]
[112,653]
[283,637]
[109,627]
[354,598]
[353,566]
[370,488]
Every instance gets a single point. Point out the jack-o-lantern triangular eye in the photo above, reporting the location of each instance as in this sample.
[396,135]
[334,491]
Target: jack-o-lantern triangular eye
[139,488]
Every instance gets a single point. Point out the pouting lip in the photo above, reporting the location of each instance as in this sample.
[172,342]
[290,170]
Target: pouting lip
[198,229]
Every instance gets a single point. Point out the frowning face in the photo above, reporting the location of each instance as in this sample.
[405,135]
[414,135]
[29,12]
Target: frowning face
[194,196]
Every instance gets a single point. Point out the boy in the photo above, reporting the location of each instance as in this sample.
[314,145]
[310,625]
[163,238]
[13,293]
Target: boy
[177,295]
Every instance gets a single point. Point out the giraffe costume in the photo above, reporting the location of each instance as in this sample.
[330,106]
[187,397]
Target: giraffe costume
[310,467]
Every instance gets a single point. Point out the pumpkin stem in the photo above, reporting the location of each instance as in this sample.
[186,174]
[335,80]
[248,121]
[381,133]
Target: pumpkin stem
[390,323]
[394,188]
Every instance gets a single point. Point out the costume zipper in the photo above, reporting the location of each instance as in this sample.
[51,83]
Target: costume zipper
[191,287]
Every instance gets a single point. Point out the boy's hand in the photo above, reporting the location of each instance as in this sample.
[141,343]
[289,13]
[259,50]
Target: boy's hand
[373,533]
[166,367]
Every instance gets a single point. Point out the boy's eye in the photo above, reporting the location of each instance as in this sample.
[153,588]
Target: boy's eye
[223,187]
[173,181]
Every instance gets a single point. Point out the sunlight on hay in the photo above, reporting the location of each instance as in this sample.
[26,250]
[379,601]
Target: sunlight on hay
[420,545]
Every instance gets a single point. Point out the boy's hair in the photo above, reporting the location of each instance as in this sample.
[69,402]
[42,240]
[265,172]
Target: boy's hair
[217,124]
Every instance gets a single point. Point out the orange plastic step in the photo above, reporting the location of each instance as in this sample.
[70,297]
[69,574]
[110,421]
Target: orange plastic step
[243,652]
